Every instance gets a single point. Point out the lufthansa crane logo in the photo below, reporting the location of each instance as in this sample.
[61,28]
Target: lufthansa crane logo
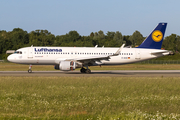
[157,36]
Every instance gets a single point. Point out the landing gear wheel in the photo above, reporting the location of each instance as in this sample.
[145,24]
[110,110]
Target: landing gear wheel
[29,71]
[82,70]
[88,71]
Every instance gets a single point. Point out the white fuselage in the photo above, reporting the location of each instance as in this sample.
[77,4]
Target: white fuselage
[52,55]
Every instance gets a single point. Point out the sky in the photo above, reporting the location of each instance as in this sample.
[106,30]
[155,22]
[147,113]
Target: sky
[86,16]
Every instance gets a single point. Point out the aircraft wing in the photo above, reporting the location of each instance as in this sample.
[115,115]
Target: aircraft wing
[86,60]
[93,59]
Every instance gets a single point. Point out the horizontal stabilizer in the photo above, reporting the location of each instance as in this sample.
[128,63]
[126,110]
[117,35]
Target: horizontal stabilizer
[160,51]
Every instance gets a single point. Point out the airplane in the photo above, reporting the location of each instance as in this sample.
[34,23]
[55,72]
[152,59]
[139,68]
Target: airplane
[70,58]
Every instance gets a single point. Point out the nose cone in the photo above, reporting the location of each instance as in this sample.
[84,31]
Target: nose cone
[10,58]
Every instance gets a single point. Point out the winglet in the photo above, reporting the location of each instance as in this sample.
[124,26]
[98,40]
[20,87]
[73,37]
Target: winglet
[119,50]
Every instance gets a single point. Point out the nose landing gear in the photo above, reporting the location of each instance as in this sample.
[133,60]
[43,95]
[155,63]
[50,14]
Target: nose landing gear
[30,71]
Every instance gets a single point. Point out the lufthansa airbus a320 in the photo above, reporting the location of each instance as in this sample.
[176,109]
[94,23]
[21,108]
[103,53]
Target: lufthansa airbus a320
[70,58]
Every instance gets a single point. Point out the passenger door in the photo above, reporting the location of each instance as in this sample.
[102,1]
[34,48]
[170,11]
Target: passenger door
[138,55]
[30,52]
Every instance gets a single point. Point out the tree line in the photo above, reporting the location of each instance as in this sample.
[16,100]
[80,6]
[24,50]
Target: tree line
[18,38]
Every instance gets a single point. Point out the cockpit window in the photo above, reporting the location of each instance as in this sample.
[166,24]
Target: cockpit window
[18,52]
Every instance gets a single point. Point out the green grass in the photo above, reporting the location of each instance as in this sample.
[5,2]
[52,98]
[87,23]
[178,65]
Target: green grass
[19,67]
[89,98]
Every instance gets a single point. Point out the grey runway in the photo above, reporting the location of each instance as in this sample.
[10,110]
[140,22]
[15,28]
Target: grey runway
[96,73]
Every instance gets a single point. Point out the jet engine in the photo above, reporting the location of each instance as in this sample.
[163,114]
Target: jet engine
[65,66]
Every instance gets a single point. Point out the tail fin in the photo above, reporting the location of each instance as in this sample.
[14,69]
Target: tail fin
[155,39]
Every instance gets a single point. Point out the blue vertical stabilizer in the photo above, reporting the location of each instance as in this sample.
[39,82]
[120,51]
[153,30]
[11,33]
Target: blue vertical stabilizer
[155,39]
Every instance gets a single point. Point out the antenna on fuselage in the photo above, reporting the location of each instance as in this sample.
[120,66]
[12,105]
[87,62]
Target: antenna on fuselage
[31,45]
[96,46]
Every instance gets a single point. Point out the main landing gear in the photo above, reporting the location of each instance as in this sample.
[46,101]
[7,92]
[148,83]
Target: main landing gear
[30,71]
[83,70]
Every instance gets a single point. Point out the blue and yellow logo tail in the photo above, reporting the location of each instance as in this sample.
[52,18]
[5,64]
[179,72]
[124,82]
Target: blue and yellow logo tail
[155,39]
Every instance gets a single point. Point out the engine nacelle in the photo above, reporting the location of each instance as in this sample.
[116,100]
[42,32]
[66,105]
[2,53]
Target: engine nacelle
[67,65]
